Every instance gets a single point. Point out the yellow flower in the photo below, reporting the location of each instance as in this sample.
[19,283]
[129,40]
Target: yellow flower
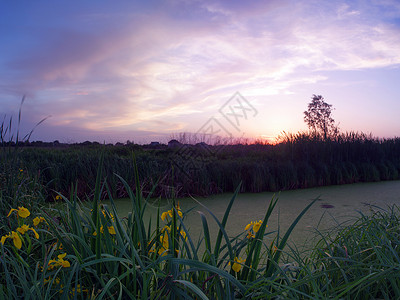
[105,214]
[111,230]
[170,213]
[15,237]
[237,264]
[22,212]
[60,262]
[183,234]
[24,228]
[165,244]
[38,220]
[101,231]
[56,281]
[164,240]
[58,197]
[248,226]
[178,209]
[64,263]
[166,228]
[250,235]
[164,215]
[256,226]
[180,213]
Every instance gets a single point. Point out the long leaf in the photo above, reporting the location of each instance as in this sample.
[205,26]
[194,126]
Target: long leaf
[206,267]
[224,221]
[283,242]
[193,287]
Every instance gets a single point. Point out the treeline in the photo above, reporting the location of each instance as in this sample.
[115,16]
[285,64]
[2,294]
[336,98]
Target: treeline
[297,161]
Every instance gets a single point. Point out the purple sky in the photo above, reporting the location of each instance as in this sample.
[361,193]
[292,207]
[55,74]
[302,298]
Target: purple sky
[116,70]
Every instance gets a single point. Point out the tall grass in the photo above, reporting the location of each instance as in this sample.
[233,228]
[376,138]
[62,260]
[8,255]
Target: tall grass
[107,257]
[298,161]
[18,184]
[363,260]
[86,251]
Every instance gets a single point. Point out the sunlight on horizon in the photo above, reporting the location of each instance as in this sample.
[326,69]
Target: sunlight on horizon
[143,71]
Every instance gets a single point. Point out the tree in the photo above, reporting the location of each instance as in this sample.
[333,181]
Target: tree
[319,117]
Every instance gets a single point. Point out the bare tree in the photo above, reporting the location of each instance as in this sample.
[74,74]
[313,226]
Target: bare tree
[319,118]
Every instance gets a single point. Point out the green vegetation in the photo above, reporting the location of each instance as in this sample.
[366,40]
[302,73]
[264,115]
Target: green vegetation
[298,161]
[81,252]
[321,157]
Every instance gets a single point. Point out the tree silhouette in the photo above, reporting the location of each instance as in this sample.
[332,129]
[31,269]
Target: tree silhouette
[319,118]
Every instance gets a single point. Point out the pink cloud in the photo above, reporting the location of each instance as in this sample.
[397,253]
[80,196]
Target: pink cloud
[159,68]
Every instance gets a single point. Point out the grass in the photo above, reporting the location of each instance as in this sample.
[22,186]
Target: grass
[128,259]
[89,252]
[298,161]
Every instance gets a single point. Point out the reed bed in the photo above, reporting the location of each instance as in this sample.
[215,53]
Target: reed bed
[296,161]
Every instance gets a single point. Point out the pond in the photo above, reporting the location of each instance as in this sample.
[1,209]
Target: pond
[336,204]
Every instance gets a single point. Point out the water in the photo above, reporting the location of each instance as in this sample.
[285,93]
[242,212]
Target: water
[336,204]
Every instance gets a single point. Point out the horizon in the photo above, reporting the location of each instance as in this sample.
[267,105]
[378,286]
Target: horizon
[146,71]
[192,139]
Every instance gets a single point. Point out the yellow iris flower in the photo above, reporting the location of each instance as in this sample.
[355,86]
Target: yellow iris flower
[38,220]
[164,215]
[15,237]
[60,262]
[24,228]
[165,244]
[183,234]
[255,225]
[170,213]
[237,265]
[250,235]
[111,230]
[105,214]
[22,212]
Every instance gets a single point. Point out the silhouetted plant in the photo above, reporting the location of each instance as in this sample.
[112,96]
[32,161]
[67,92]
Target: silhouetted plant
[319,118]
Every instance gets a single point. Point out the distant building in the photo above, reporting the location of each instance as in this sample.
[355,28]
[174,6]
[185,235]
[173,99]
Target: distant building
[174,144]
[154,144]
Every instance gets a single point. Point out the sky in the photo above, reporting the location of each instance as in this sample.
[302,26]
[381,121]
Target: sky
[112,71]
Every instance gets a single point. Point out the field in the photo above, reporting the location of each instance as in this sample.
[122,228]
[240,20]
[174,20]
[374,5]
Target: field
[83,247]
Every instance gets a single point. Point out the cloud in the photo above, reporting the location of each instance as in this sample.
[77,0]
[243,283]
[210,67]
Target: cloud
[149,67]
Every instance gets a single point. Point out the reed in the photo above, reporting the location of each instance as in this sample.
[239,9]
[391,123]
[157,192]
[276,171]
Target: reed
[297,161]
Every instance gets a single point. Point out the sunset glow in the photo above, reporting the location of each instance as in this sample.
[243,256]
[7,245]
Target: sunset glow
[145,70]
